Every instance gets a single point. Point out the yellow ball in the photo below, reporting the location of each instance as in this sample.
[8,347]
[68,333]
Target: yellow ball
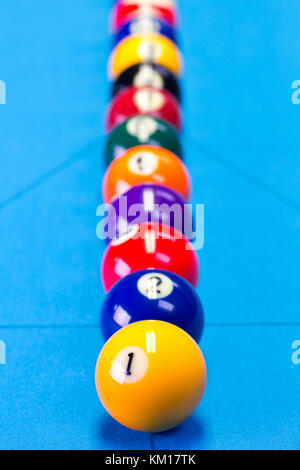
[150,376]
[149,48]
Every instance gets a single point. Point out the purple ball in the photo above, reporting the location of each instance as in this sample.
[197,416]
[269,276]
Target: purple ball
[147,203]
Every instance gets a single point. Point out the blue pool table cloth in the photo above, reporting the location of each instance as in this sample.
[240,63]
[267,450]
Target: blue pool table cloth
[241,141]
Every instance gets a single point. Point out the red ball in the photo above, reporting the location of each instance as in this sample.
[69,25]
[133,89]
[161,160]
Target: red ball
[125,11]
[159,104]
[149,245]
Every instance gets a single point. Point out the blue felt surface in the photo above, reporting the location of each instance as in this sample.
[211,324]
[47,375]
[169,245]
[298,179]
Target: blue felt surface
[241,143]
[252,399]
[51,402]
[53,58]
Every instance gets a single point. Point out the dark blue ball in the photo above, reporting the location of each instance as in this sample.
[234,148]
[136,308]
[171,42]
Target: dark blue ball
[145,25]
[152,295]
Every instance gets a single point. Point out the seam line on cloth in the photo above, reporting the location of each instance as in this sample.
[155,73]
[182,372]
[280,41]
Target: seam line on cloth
[48,175]
[247,176]
[85,326]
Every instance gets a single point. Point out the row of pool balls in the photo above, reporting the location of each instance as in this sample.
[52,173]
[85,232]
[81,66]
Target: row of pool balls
[150,374]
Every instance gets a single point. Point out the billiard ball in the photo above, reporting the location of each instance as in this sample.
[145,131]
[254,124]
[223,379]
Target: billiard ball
[145,25]
[152,295]
[141,130]
[144,48]
[149,245]
[126,10]
[150,376]
[146,203]
[146,100]
[153,75]
[145,164]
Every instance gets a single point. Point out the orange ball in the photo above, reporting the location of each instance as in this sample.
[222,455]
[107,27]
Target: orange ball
[145,164]
[150,376]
